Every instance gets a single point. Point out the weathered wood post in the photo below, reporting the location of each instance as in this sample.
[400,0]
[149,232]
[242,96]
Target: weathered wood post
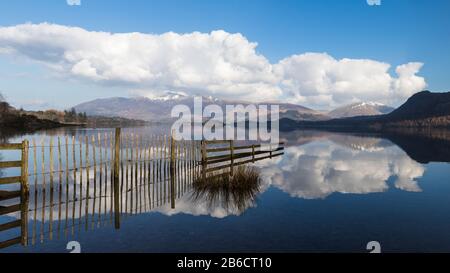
[116,179]
[271,151]
[172,170]
[232,157]
[25,193]
[24,166]
[253,153]
[204,160]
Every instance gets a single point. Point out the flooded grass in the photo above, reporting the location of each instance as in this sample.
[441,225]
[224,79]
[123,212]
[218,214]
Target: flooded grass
[237,192]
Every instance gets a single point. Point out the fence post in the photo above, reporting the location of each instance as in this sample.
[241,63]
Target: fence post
[204,158]
[24,203]
[172,170]
[24,168]
[253,153]
[116,179]
[24,196]
[232,157]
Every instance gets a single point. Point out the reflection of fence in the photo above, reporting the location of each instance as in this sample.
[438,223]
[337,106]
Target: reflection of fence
[220,155]
[90,180]
[6,196]
[101,177]
[67,209]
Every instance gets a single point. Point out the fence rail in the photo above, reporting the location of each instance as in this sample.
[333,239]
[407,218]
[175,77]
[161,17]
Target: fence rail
[105,176]
[228,157]
[6,196]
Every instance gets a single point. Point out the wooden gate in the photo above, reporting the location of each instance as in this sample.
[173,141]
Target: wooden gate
[23,193]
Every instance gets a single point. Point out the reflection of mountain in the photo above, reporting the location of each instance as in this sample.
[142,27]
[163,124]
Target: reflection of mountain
[423,146]
[318,169]
[358,142]
[316,165]
[363,143]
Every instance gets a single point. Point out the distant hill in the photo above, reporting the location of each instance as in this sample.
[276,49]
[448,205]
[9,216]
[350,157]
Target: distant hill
[361,109]
[425,104]
[159,109]
[13,120]
[423,110]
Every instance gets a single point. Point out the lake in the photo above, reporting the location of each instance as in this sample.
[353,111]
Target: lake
[329,192]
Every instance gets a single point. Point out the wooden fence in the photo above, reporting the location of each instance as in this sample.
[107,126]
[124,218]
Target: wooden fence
[6,196]
[223,155]
[65,211]
[99,178]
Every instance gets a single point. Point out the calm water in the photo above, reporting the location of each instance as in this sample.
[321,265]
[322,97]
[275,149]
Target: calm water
[330,192]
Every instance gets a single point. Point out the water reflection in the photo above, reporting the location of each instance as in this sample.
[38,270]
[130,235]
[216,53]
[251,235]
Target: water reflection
[233,194]
[356,165]
[62,210]
[315,165]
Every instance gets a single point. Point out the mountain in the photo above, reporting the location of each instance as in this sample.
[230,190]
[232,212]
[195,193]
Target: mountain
[422,105]
[361,109]
[159,108]
[423,110]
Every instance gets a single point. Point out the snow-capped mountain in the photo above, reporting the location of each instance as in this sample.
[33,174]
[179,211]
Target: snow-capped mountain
[159,108]
[361,109]
[169,96]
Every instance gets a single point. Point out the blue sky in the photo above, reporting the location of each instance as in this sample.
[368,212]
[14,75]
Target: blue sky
[396,32]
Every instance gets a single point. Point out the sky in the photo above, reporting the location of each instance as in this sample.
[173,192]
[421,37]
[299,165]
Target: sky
[321,54]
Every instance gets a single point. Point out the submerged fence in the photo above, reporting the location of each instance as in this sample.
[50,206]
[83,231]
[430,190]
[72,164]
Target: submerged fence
[225,155]
[68,183]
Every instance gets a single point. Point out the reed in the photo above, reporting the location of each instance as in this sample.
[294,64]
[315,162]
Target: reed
[236,192]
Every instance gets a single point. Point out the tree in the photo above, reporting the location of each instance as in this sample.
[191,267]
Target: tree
[71,115]
[4,106]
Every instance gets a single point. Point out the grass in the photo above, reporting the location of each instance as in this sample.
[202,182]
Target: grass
[237,192]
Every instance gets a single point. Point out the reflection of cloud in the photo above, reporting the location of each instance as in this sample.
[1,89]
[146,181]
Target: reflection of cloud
[186,205]
[312,171]
[405,171]
[322,168]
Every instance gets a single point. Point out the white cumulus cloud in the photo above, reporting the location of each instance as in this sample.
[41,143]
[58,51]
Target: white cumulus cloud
[318,78]
[218,64]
